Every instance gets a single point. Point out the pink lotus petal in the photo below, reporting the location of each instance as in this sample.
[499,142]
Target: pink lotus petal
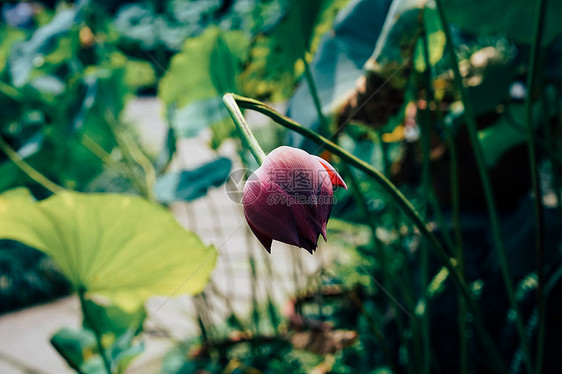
[267,217]
[307,225]
[326,196]
[294,170]
[265,240]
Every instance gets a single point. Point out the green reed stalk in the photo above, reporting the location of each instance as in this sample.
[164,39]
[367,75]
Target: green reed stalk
[379,249]
[455,203]
[427,190]
[532,83]
[358,197]
[486,184]
[132,155]
[354,184]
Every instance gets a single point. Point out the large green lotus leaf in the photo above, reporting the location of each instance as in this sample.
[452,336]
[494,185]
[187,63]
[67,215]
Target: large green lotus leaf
[512,18]
[189,77]
[198,77]
[118,246]
[275,64]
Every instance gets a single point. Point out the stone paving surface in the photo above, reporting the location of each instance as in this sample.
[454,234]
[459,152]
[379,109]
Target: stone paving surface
[24,335]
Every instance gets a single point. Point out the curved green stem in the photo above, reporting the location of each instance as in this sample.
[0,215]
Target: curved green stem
[232,101]
[91,322]
[531,142]
[29,170]
[427,190]
[248,138]
[486,183]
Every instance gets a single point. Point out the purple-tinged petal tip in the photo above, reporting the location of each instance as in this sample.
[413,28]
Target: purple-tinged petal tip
[335,178]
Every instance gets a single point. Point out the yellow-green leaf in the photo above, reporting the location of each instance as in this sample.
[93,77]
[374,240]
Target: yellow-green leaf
[207,67]
[118,246]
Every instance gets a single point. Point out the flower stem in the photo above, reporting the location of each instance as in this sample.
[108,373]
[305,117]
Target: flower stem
[88,318]
[427,191]
[472,128]
[247,137]
[540,10]
[232,101]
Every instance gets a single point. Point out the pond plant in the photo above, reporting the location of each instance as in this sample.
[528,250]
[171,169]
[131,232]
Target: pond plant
[421,139]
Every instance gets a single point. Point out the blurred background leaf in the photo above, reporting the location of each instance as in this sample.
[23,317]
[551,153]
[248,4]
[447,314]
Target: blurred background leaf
[511,19]
[187,185]
[206,69]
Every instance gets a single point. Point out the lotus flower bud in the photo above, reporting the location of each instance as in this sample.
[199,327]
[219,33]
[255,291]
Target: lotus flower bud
[289,198]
